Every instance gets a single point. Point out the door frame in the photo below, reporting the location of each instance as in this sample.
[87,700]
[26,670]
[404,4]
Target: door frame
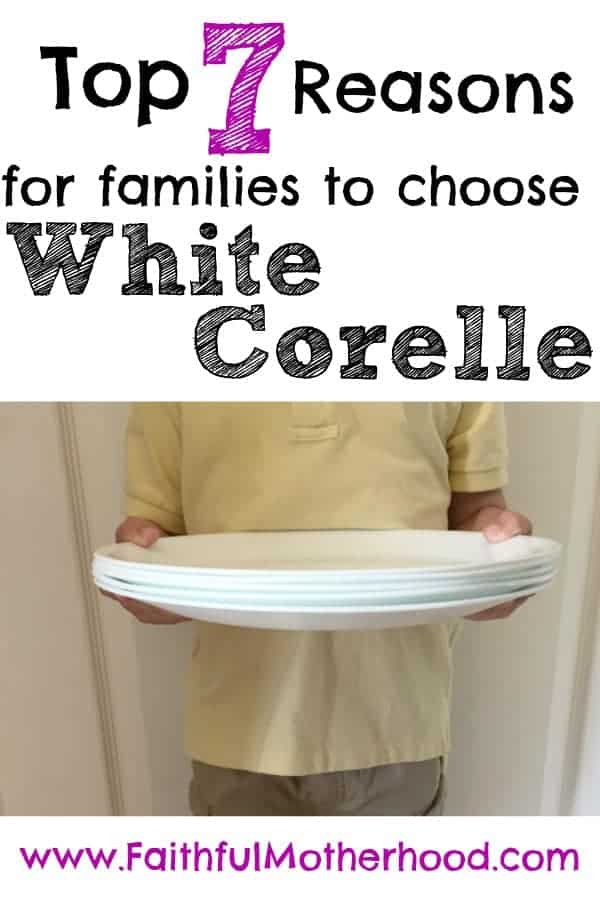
[112,643]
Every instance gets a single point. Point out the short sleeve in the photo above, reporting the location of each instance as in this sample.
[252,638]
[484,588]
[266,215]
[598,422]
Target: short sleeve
[153,482]
[477,448]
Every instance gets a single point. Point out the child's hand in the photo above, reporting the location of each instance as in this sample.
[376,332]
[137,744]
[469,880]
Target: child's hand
[143,533]
[498,525]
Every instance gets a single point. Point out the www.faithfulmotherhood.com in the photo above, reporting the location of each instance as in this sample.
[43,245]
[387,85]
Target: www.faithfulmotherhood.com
[330,857]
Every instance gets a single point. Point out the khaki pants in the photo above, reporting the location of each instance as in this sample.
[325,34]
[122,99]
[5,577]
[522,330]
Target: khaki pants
[405,789]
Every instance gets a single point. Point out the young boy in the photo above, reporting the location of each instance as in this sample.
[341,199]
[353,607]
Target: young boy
[317,723]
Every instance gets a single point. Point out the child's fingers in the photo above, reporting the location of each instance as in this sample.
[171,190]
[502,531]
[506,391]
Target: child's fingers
[149,615]
[507,524]
[502,611]
[138,531]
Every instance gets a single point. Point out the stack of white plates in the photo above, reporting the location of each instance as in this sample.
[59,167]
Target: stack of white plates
[328,580]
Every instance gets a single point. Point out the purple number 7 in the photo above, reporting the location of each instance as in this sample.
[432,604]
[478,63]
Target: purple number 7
[266,42]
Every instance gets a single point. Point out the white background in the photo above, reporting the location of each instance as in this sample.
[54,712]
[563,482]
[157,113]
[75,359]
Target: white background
[417,265]
[440,834]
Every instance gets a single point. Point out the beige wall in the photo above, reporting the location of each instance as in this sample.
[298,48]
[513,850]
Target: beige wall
[514,680]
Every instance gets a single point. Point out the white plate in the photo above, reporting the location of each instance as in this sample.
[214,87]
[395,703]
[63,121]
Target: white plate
[311,596]
[342,585]
[332,554]
[298,618]
[308,600]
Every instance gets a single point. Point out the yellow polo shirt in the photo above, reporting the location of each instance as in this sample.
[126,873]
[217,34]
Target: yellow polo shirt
[295,703]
